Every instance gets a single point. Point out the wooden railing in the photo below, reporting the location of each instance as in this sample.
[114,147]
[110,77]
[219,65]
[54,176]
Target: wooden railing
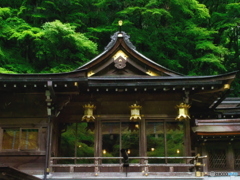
[191,162]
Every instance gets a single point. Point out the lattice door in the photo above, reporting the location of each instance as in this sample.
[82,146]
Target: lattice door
[237,159]
[217,159]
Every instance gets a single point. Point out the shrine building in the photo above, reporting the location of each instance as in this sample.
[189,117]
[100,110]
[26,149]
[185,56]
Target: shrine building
[121,115]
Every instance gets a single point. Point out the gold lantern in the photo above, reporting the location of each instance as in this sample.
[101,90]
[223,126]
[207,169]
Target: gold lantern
[183,113]
[135,112]
[88,112]
[226,86]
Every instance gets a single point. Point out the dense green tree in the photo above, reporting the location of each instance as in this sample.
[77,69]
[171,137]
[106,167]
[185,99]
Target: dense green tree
[189,36]
[61,45]
[55,47]
[177,30]
[15,42]
[225,20]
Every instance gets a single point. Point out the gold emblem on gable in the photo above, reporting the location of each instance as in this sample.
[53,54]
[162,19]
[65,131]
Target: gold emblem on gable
[120,53]
[120,59]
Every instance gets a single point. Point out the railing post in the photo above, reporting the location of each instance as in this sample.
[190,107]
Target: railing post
[120,166]
[50,165]
[96,168]
[71,169]
[198,172]
[146,169]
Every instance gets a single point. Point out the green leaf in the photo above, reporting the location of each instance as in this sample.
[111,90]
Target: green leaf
[5,12]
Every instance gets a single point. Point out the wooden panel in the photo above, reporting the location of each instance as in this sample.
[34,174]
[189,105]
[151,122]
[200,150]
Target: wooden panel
[110,169]
[76,169]
[23,105]
[158,169]
[30,122]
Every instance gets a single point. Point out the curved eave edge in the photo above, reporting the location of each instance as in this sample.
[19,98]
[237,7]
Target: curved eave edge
[80,74]
[168,71]
[94,59]
[226,76]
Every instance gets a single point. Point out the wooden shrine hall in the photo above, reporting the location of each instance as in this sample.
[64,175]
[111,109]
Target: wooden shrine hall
[78,124]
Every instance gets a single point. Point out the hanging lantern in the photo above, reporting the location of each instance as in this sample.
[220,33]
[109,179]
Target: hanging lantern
[183,112]
[88,112]
[135,112]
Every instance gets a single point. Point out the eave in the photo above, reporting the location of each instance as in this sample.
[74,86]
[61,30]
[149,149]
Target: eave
[210,127]
[198,84]
[80,75]
[161,80]
[62,82]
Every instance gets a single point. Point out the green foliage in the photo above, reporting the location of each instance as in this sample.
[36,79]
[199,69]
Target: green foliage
[58,68]
[225,20]
[184,35]
[60,44]
[77,141]
[156,137]
[42,49]
[178,26]
[5,12]
[3,70]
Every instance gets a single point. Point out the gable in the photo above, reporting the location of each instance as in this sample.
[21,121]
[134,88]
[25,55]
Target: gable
[121,58]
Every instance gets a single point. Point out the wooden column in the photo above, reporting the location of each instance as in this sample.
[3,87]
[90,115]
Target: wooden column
[187,138]
[142,142]
[49,99]
[97,144]
[48,147]
[76,141]
[205,160]
[230,157]
[165,140]
[97,138]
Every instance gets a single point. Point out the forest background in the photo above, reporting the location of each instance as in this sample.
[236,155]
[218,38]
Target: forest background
[188,36]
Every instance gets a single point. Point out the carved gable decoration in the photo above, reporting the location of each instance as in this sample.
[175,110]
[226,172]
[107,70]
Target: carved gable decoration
[120,60]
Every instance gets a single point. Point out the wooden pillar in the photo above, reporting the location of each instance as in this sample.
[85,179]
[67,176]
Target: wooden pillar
[49,99]
[142,140]
[97,145]
[230,156]
[165,140]
[76,142]
[187,138]
[97,138]
[205,160]
[143,143]
[48,147]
